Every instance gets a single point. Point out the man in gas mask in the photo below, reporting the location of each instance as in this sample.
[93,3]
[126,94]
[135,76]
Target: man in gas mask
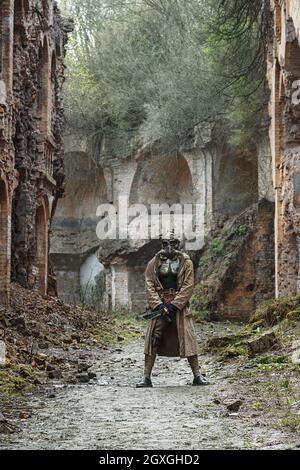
[169,286]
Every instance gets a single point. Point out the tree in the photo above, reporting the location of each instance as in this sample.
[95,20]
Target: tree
[148,71]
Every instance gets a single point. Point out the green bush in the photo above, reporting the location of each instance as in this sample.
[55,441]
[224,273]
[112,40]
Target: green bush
[217,247]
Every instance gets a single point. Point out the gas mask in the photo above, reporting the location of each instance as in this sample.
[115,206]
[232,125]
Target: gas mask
[169,247]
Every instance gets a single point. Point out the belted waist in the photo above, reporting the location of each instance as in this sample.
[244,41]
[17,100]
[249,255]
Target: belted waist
[167,295]
[169,291]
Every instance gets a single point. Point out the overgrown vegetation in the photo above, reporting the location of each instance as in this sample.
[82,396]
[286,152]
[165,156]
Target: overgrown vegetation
[274,311]
[216,264]
[19,378]
[274,316]
[153,71]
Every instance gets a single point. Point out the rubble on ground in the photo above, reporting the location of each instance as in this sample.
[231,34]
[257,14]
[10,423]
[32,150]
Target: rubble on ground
[43,339]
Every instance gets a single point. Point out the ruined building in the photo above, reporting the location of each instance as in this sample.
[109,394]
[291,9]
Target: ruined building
[33,35]
[223,181]
[210,173]
[284,80]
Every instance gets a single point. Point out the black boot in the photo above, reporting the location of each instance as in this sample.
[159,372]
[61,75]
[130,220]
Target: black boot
[200,380]
[146,382]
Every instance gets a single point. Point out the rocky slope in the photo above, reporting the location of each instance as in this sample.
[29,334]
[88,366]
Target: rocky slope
[44,339]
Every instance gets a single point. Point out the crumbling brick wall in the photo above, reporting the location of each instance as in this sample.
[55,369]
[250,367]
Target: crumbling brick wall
[236,268]
[284,79]
[33,36]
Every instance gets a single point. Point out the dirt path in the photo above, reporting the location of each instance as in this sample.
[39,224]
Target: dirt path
[112,414]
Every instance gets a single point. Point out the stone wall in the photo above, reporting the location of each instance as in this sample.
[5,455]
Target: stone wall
[236,268]
[149,178]
[220,180]
[33,35]
[284,80]
[235,174]
[74,240]
[251,279]
[142,178]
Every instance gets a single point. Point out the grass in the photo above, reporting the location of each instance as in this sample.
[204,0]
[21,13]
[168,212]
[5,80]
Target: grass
[227,346]
[204,262]
[19,378]
[292,422]
[241,230]
[112,337]
[216,247]
[274,311]
[120,325]
[233,351]
[200,314]
[285,383]
[271,360]
[257,406]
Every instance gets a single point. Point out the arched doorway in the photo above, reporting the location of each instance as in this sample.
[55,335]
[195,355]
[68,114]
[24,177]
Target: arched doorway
[92,282]
[74,239]
[162,180]
[164,185]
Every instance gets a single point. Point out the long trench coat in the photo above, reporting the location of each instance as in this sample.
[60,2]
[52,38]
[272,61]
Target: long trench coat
[180,341]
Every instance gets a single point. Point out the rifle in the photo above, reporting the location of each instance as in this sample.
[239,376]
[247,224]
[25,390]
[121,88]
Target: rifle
[158,312]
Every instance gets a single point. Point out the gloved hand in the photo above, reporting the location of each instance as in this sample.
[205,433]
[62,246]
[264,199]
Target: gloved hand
[158,307]
[172,312]
[171,308]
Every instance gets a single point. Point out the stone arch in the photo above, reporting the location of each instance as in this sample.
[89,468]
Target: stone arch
[85,187]
[92,280]
[278,172]
[235,180]
[162,180]
[41,236]
[74,236]
[4,243]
